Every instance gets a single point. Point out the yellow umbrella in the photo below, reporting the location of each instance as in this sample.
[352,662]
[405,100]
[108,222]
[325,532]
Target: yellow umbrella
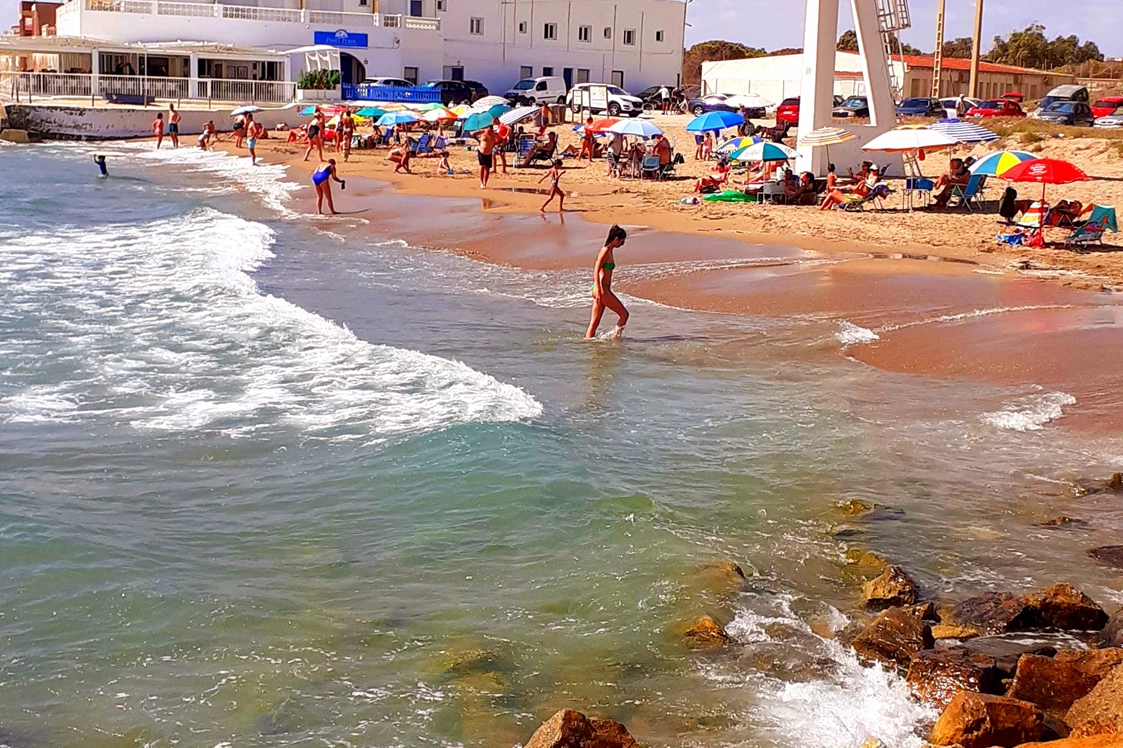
[461,109]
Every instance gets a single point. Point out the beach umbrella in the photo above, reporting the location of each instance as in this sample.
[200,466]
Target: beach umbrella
[736,144]
[431,106]
[764,151]
[517,115]
[370,112]
[906,139]
[602,124]
[393,119]
[461,109]
[1045,171]
[245,110]
[489,101]
[826,136]
[997,164]
[714,121]
[963,132]
[749,101]
[307,111]
[438,115]
[478,121]
[638,127]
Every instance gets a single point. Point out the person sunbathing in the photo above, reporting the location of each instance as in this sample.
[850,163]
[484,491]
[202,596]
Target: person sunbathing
[802,190]
[718,176]
[542,151]
[837,197]
[957,175]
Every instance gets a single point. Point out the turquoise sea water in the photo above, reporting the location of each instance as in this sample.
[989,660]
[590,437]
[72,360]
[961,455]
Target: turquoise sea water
[271,481]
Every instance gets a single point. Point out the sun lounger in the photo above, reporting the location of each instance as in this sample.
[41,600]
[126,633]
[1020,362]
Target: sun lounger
[875,197]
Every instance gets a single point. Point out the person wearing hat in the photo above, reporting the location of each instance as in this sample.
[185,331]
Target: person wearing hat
[838,197]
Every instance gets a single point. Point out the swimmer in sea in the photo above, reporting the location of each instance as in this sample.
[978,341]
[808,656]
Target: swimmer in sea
[321,178]
[101,167]
[603,298]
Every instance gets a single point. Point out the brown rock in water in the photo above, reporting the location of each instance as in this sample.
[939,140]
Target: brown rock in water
[975,720]
[1113,484]
[991,613]
[855,507]
[936,675]
[1063,606]
[1008,650]
[722,576]
[1108,555]
[1097,741]
[925,611]
[1112,633]
[704,633]
[1062,521]
[1054,683]
[953,631]
[572,729]
[893,637]
[893,587]
[1101,711]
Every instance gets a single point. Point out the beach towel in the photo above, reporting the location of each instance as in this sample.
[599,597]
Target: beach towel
[729,196]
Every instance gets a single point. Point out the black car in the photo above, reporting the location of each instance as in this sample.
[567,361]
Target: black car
[479,90]
[452,92]
[1075,113]
[855,106]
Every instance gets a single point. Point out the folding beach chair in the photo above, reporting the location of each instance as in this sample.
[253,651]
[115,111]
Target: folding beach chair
[1028,231]
[875,197]
[969,193]
[524,147]
[650,165]
[668,171]
[421,147]
[1092,230]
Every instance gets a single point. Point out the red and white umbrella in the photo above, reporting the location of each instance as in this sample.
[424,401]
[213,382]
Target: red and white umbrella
[1045,171]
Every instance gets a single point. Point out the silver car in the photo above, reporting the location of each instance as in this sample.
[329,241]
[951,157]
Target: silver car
[1112,121]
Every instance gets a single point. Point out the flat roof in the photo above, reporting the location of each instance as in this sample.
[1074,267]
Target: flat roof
[83,44]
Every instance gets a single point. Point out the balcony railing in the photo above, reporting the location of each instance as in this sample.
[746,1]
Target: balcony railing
[253,13]
[272,92]
[370,92]
[25,87]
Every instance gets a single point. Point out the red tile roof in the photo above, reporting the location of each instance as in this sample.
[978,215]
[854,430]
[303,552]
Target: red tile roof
[957,63]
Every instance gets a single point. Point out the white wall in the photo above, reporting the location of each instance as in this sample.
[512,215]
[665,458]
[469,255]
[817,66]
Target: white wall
[776,78]
[85,123]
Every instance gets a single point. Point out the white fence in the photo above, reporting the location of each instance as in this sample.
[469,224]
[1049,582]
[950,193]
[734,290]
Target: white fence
[26,87]
[252,13]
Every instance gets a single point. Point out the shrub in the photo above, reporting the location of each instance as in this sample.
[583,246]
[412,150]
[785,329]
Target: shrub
[318,80]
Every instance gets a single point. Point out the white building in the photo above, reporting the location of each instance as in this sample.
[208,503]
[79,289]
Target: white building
[632,43]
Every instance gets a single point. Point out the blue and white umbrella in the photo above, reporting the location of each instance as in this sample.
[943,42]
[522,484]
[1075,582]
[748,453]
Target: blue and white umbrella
[393,119]
[963,132]
[713,121]
[245,110]
[640,128]
[518,115]
[764,151]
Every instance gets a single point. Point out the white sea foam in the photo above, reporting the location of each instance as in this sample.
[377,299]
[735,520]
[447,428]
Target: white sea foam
[1031,413]
[943,318]
[162,327]
[851,334]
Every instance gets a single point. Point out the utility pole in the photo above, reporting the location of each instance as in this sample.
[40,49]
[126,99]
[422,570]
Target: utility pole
[938,54]
[976,45]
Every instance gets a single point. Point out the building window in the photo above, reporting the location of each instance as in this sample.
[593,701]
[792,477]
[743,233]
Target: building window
[547,71]
[607,32]
[476,26]
[658,36]
[410,74]
[584,33]
[416,8]
[629,37]
[526,71]
[582,75]
[550,31]
[442,5]
[618,78]
[363,3]
[522,27]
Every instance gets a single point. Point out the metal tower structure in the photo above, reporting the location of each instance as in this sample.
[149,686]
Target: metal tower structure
[938,54]
[892,19]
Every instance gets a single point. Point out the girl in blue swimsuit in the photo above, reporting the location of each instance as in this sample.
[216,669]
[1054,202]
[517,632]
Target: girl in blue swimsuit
[321,179]
[603,298]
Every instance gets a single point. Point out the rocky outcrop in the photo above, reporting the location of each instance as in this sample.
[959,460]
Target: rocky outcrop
[975,720]
[1114,484]
[1112,633]
[893,588]
[1054,683]
[1062,520]
[990,613]
[572,729]
[893,637]
[955,631]
[1063,606]
[723,577]
[1098,741]
[1108,555]
[1101,711]
[704,633]
[936,675]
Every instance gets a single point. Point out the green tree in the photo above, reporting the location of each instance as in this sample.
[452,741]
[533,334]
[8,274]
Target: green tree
[960,47]
[1030,48]
[710,51]
[848,42]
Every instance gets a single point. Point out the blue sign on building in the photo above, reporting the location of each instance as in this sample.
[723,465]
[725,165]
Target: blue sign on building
[340,38]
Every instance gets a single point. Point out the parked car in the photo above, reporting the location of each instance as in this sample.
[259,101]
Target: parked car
[479,90]
[452,92]
[920,107]
[951,105]
[996,108]
[619,101]
[855,106]
[651,93]
[711,103]
[1073,113]
[1106,106]
[401,82]
[1112,121]
[1067,92]
[788,111]
[547,89]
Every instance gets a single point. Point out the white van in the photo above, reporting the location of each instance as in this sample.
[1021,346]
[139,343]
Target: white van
[619,101]
[548,89]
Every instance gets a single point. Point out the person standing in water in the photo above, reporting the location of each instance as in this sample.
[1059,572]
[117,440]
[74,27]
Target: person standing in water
[254,130]
[485,157]
[173,125]
[321,178]
[603,298]
[158,129]
[555,175]
[316,136]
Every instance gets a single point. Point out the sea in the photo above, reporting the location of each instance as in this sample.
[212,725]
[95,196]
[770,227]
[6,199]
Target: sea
[273,480]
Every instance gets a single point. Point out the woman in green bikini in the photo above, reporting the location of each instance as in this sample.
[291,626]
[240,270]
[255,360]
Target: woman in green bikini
[602,285]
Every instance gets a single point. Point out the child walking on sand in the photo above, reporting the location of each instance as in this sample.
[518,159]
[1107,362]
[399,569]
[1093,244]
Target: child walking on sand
[555,174]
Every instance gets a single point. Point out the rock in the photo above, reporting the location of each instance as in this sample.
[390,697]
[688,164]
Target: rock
[1054,683]
[572,729]
[893,587]
[893,637]
[1112,634]
[1007,651]
[1063,606]
[1108,555]
[991,613]
[704,633]
[936,675]
[925,612]
[1062,521]
[1101,711]
[952,631]
[723,577]
[1114,484]
[975,720]
[855,507]
[1098,741]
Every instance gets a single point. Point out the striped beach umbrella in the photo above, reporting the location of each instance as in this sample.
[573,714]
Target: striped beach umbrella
[997,164]
[736,144]
[826,136]
[393,119]
[517,115]
[438,115]
[638,127]
[764,151]
[963,132]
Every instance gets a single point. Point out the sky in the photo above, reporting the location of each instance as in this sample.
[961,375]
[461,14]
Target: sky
[773,25]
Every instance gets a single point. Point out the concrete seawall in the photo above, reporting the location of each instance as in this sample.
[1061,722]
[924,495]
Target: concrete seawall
[113,123]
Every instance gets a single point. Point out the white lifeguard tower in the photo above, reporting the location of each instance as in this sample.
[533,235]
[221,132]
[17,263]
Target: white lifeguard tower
[877,23]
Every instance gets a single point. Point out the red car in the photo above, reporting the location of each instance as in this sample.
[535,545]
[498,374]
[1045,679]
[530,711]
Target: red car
[788,111]
[996,108]
[1107,105]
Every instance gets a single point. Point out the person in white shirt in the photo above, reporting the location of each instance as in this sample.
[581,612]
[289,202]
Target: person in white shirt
[665,96]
